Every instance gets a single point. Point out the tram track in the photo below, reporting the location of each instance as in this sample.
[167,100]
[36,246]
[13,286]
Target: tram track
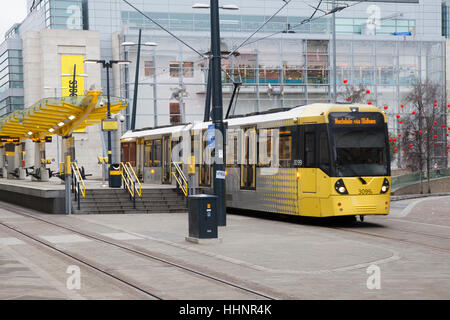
[83,261]
[388,237]
[141,252]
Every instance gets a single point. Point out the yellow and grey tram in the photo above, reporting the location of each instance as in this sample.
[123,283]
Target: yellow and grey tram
[319,160]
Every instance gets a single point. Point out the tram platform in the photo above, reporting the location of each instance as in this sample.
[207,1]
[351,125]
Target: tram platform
[49,197]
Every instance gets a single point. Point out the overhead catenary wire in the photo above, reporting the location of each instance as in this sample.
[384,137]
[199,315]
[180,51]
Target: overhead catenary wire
[166,30]
[286,2]
[307,20]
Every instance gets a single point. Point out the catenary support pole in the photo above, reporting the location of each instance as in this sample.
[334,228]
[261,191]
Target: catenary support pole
[217,114]
[136,83]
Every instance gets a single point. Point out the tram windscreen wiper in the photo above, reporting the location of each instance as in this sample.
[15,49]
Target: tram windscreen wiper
[354,173]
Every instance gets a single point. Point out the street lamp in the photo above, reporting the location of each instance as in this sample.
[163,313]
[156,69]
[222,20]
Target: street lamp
[207,6]
[108,65]
[217,110]
[136,79]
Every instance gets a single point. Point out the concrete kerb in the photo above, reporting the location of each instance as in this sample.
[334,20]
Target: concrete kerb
[415,196]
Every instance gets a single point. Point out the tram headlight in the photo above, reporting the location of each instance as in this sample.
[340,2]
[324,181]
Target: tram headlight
[385,186]
[340,188]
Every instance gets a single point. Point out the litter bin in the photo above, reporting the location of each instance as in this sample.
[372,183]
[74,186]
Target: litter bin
[202,216]
[115,178]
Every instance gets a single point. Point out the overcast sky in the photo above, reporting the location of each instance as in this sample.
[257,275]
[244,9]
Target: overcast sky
[12,11]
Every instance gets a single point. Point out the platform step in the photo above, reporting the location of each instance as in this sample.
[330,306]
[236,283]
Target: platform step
[117,201]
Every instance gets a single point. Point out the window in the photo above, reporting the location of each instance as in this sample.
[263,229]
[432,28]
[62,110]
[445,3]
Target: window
[293,74]
[157,153]
[265,147]
[174,69]
[175,116]
[148,154]
[244,68]
[361,152]
[269,74]
[248,166]
[188,69]
[309,150]
[129,153]
[149,68]
[232,148]
[250,147]
[285,148]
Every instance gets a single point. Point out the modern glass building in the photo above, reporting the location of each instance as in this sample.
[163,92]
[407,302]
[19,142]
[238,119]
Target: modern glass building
[382,46]
[446,18]
[11,73]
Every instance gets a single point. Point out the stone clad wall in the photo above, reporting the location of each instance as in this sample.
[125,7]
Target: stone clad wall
[42,52]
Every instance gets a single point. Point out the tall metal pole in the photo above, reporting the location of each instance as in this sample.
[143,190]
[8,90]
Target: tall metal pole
[208,94]
[334,54]
[108,65]
[217,114]
[136,80]
[155,98]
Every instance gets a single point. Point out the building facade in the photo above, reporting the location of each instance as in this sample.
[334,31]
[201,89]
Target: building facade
[383,47]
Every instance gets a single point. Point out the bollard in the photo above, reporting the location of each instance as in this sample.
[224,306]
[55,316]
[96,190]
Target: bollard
[68,174]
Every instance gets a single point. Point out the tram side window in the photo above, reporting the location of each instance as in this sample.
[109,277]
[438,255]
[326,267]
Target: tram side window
[157,153]
[265,148]
[125,152]
[232,149]
[285,148]
[129,153]
[148,153]
[195,147]
[324,154]
[310,150]
[177,141]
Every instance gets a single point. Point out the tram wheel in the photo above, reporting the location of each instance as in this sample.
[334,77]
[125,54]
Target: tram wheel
[361,218]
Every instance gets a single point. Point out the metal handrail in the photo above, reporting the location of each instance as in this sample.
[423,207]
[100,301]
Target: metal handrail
[183,184]
[126,179]
[78,178]
[136,180]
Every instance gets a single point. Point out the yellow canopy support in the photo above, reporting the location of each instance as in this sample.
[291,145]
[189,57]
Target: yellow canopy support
[58,116]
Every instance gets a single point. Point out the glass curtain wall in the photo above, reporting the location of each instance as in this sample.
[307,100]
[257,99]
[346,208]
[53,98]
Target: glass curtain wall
[279,73]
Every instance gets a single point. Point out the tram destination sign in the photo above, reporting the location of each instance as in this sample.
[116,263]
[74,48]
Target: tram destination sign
[358,119]
[45,139]
[7,139]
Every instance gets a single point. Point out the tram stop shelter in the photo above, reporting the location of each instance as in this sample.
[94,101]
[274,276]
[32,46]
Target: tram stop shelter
[47,117]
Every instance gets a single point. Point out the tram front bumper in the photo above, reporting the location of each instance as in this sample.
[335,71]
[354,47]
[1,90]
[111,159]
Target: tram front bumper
[347,205]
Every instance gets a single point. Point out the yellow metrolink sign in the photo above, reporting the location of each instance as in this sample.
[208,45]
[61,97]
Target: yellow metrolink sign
[354,121]
[69,65]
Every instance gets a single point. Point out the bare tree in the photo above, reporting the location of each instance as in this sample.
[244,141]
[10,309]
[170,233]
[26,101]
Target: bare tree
[421,128]
[353,94]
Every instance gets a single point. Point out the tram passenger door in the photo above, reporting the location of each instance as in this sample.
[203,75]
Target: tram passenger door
[248,161]
[309,202]
[205,163]
[309,173]
[166,176]
[140,159]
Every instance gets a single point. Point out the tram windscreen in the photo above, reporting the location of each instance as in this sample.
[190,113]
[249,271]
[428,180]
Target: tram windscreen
[360,150]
